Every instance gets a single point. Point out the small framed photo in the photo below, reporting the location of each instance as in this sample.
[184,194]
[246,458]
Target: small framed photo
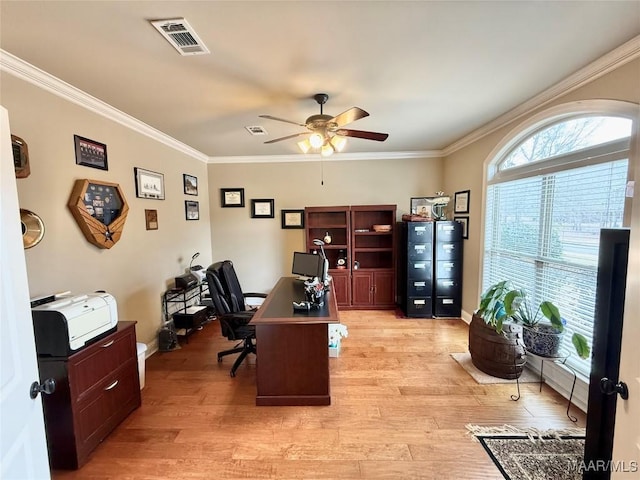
[461,201]
[232,197]
[90,153]
[262,208]
[422,206]
[191,210]
[465,225]
[149,184]
[151,219]
[190,184]
[292,218]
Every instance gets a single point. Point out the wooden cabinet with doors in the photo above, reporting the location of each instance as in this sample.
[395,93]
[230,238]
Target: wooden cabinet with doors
[361,252]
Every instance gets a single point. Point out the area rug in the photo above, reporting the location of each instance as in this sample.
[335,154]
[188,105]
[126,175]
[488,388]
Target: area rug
[533,454]
[464,359]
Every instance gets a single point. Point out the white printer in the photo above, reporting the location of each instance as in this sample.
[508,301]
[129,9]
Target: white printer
[67,324]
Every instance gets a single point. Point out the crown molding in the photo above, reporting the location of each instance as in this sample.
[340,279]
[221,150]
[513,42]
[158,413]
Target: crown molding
[616,58]
[625,53]
[339,157]
[19,68]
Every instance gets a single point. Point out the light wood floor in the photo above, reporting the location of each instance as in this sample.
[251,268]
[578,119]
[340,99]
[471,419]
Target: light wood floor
[399,408]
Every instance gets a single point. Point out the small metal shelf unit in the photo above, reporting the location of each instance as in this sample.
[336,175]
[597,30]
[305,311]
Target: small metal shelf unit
[182,306]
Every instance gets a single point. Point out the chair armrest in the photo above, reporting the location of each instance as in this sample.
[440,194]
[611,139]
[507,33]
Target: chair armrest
[253,306]
[257,295]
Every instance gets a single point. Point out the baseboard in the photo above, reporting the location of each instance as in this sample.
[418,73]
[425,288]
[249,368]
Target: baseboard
[152,347]
[466,317]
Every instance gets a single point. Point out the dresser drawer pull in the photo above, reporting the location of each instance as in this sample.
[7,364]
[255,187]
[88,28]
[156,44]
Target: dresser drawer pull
[112,385]
[108,344]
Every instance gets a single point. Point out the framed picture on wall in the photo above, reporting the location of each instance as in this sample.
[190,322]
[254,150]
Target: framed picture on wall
[262,208]
[231,197]
[292,218]
[151,219]
[461,201]
[422,206]
[149,184]
[191,210]
[190,184]
[465,225]
[90,153]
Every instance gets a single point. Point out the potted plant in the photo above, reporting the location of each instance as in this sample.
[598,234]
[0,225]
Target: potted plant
[495,345]
[541,338]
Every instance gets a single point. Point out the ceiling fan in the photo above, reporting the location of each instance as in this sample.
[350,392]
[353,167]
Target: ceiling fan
[327,133]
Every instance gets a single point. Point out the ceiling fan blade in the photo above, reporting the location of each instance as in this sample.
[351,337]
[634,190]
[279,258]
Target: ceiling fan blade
[348,116]
[380,137]
[287,137]
[271,117]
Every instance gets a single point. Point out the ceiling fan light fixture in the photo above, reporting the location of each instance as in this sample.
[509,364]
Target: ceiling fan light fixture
[316,140]
[338,142]
[305,146]
[326,150]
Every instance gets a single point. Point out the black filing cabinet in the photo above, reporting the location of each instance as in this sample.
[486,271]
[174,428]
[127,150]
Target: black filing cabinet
[447,290]
[430,269]
[416,268]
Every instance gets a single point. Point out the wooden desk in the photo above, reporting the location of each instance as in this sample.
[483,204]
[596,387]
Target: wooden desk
[292,366]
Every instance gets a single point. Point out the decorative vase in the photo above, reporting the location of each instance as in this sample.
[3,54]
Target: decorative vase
[542,340]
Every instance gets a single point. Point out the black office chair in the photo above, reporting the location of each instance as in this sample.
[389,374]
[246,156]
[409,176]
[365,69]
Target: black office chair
[233,324]
[233,291]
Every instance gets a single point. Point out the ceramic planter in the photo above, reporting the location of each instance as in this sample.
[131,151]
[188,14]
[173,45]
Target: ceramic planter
[543,340]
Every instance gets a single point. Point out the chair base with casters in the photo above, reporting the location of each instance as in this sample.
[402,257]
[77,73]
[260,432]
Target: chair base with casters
[248,346]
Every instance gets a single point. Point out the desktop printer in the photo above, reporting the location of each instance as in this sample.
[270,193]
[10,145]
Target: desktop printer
[67,324]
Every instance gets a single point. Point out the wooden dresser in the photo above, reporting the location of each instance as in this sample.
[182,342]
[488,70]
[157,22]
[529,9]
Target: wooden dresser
[96,389]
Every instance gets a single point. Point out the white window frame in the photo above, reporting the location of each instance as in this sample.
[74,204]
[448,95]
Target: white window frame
[558,376]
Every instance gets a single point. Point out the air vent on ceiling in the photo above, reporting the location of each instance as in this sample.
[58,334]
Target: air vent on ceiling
[256,130]
[181,35]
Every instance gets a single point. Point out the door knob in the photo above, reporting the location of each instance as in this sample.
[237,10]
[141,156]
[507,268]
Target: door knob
[48,387]
[609,388]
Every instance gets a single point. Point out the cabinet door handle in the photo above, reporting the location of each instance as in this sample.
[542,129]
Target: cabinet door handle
[112,385]
[108,344]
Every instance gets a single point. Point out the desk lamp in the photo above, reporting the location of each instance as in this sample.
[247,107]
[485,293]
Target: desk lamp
[197,270]
[325,266]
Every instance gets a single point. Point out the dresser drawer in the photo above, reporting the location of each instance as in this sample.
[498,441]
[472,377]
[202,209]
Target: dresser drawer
[89,366]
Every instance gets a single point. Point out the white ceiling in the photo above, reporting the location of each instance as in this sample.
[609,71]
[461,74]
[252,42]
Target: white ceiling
[428,72]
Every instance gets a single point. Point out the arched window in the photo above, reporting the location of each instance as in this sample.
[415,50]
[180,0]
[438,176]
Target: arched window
[549,192]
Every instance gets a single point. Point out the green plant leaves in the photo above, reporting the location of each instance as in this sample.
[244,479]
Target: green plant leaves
[551,312]
[582,348]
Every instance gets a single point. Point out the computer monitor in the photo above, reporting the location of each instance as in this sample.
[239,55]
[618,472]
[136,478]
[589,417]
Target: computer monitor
[307,265]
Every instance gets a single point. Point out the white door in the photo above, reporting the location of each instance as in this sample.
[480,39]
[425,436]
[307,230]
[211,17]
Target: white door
[626,440]
[23,447]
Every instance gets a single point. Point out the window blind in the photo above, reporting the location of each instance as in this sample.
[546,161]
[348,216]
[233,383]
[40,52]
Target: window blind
[542,233]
